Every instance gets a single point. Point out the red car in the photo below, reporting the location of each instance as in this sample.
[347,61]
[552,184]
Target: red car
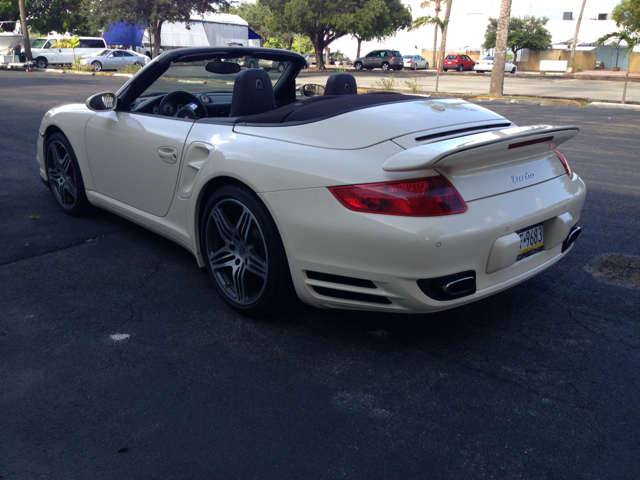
[458,62]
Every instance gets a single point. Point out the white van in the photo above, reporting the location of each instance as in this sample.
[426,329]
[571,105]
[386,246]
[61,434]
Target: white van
[44,54]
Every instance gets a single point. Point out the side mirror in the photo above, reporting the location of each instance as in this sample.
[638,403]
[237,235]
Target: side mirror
[102,102]
[310,90]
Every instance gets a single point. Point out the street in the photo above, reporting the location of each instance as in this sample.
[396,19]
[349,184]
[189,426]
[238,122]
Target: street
[118,359]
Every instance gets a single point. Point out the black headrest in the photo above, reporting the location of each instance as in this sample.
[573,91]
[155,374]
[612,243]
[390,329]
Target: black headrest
[341,84]
[252,93]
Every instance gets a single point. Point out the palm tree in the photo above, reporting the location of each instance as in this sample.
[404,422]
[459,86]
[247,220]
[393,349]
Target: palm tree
[437,6]
[72,42]
[437,22]
[443,40]
[575,36]
[500,54]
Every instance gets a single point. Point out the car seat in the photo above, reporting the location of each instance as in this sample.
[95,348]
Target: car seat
[252,93]
[341,84]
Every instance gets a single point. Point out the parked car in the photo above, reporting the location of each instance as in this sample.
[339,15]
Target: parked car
[486,65]
[415,62]
[311,58]
[269,65]
[373,201]
[44,53]
[384,59]
[109,59]
[457,62]
[248,62]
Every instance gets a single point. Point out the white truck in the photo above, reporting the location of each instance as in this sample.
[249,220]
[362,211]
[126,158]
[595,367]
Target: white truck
[44,53]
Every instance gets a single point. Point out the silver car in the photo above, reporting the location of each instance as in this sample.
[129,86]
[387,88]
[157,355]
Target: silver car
[415,62]
[109,59]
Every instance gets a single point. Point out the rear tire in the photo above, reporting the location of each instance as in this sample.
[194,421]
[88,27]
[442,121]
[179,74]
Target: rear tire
[41,62]
[65,179]
[460,67]
[384,66]
[513,70]
[243,252]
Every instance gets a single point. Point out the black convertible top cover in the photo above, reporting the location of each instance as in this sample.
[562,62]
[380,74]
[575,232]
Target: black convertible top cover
[324,106]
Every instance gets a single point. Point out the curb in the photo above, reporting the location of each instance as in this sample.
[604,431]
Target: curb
[626,106]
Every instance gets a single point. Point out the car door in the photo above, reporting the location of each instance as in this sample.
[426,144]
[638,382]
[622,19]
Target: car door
[370,59]
[135,158]
[115,60]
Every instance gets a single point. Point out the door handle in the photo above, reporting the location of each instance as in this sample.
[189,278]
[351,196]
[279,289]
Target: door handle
[168,154]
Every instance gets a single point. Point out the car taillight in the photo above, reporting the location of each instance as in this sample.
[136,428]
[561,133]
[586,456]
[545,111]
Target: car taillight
[425,197]
[393,58]
[565,164]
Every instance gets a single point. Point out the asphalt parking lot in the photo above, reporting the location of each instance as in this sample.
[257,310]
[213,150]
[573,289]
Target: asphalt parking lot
[117,360]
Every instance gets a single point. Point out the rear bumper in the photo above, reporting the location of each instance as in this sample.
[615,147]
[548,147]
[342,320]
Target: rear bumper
[389,255]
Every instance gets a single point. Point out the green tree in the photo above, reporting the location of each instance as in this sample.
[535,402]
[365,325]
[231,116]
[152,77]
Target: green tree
[378,20]
[434,20]
[327,20]
[627,17]
[153,13]
[68,42]
[431,20]
[49,15]
[524,32]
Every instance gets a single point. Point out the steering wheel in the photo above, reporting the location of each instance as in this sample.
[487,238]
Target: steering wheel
[187,100]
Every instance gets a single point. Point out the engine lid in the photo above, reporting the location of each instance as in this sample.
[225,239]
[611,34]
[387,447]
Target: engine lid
[365,127]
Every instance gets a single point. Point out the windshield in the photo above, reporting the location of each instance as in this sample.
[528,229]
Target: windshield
[193,77]
[39,43]
[101,53]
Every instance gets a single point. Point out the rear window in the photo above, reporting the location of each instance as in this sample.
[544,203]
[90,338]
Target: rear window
[86,43]
[395,53]
[451,57]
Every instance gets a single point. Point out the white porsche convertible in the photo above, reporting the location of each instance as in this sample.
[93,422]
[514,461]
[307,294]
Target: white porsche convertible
[377,201]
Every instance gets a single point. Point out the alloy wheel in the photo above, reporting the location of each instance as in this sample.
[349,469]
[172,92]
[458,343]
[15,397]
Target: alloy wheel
[62,176]
[237,251]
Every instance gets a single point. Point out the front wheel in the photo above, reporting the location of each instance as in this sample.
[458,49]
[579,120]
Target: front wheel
[65,179]
[41,62]
[97,66]
[357,65]
[385,66]
[137,64]
[243,252]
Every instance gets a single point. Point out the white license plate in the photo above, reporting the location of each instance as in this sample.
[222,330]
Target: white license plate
[531,241]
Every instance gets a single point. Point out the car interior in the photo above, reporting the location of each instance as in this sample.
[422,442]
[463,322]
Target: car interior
[210,86]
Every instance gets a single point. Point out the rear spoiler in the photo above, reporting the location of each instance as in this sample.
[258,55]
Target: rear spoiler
[436,154]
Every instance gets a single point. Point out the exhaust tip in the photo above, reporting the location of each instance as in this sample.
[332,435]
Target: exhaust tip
[571,238]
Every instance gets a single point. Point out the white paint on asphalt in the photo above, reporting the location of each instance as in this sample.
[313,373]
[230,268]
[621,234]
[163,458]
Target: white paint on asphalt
[118,337]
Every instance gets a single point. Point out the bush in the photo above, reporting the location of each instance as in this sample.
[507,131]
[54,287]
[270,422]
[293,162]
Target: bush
[387,84]
[130,69]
